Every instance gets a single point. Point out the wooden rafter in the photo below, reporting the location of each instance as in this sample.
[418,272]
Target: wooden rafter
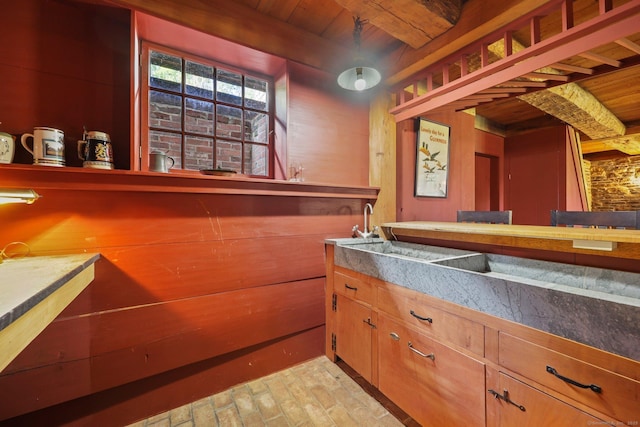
[616,24]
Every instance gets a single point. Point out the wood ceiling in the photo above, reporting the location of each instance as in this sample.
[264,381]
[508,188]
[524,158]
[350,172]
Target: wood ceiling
[616,90]
[320,32]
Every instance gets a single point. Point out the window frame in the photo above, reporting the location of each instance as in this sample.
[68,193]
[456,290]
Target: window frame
[146,47]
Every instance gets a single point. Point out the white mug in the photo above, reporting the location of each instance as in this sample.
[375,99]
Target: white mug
[160,162]
[48,146]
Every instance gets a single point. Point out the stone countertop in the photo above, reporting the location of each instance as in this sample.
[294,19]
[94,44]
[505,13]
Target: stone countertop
[588,315]
[24,282]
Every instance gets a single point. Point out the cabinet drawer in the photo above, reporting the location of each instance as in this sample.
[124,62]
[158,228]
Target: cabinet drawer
[527,406]
[355,288]
[410,307]
[434,383]
[614,395]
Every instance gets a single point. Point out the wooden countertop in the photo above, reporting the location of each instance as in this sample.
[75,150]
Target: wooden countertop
[33,291]
[595,241]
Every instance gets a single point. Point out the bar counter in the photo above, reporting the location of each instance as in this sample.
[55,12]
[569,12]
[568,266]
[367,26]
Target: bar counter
[592,241]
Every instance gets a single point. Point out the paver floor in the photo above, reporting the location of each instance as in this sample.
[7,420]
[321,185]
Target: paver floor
[314,393]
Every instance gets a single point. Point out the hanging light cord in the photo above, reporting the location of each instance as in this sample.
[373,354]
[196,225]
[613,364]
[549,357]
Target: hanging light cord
[357,30]
[7,253]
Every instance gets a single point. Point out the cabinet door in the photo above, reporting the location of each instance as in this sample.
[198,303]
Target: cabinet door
[354,329]
[529,407]
[435,384]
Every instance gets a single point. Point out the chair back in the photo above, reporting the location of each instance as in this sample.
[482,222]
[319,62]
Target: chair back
[588,219]
[487,217]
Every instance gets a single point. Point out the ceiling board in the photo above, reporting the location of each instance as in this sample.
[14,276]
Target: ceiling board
[312,27]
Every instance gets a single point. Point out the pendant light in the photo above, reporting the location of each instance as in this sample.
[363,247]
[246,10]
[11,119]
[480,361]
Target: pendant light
[360,75]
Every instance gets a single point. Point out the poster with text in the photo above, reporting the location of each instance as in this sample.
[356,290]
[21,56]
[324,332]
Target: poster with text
[432,159]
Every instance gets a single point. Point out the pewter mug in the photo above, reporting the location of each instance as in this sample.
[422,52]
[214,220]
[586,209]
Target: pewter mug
[160,162]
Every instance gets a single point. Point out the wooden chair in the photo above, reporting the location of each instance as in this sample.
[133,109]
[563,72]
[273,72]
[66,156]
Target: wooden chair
[613,219]
[487,217]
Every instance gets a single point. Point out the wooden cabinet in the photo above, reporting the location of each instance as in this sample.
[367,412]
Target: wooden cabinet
[445,364]
[354,323]
[435,384]
[353,335]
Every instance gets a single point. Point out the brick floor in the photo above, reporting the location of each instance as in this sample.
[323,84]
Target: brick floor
[316,393]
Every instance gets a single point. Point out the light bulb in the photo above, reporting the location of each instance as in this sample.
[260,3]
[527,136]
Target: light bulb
[360,83]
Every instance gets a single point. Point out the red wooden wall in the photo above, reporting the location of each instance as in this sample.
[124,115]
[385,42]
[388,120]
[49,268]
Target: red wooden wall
[465,142]
[197,289]
[536,166]
[65,65]
[185,282]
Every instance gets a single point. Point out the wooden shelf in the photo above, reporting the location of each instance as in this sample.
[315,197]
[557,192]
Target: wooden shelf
[592,241]
[69,178]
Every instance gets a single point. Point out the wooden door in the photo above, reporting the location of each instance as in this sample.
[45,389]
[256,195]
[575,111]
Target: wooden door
[487,183]
[354,329]
[435,384]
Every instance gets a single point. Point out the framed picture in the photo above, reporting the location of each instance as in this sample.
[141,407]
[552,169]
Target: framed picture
[432,159]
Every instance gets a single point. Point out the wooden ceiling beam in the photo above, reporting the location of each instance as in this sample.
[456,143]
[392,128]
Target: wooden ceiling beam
[626,43]
[601,59]
[569,102]
[476,22]
[616,24]
[522,83]
[572,68]
[628,144]
[546,76]
[579,108]
[415,22]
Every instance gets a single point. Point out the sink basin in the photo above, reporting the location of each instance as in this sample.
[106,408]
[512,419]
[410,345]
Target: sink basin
[409,250]
[548,274]
[593,306]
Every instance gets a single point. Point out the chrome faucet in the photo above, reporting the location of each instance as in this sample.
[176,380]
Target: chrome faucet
[366,233]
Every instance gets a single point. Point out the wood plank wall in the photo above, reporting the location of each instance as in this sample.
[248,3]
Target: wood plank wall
[194,292]
[187,283]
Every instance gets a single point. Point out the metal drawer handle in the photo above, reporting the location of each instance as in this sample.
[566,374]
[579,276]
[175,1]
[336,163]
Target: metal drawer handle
[352,288]
[368,322]
[417,316]
[415,350]
[506,398]
[593,387]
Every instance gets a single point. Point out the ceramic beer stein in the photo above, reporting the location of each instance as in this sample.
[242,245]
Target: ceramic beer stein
[95,150]
[48,146]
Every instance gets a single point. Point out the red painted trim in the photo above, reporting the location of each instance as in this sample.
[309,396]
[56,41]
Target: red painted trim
[603,29]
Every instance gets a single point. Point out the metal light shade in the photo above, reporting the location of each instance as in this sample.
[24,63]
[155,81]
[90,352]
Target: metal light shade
[17,195]
[359,78]
[360,75]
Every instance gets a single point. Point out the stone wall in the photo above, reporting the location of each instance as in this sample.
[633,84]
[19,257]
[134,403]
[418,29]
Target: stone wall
[615,184]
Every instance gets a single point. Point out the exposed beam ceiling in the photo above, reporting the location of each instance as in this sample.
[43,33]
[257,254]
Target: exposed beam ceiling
[319,33]
[569,102]
[415,22]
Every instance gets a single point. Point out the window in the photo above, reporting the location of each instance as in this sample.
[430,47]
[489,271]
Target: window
[206,115]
